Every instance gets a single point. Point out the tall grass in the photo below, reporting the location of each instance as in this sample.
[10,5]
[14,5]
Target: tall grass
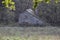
[49,37]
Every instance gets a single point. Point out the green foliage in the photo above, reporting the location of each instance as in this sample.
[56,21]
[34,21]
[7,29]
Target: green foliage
[9,4]
[36,2]
[47,1]
[56,1]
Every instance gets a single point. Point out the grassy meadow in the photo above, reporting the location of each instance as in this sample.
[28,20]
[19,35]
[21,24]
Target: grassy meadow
[42,37]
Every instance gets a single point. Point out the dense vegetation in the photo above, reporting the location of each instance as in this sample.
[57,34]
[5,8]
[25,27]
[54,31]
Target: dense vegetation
[36,2]
[9,4]
[48,10]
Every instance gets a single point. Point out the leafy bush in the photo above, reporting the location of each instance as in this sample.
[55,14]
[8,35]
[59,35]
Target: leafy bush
[9,4]
[36,2]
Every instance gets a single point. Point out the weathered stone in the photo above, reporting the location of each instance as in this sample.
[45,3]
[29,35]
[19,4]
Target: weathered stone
[29,18]
[21,6]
